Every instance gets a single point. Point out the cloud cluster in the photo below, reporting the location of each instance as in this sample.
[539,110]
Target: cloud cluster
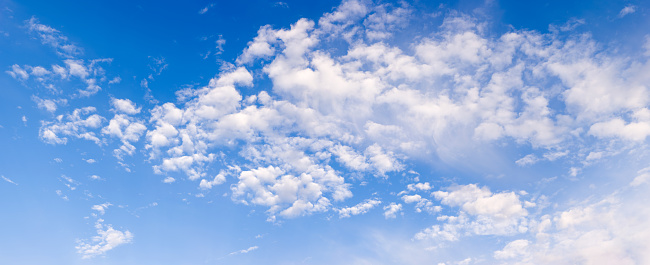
[347,102]
[611,230]
[79,124]
[481,212]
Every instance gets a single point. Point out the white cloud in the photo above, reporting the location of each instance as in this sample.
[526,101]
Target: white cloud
[9,180]
[634,131]
[107,238]
[421,203]
[125,106]
[513,249]
[629,9]
[124,127]
[48,104]
[207,184]
[360,208]
[101,208]
[611,230]
[205,9]
[18,72]
[481,212]
[419,186]
[54,38]
[391,210]
[115,80]
[244,251]
[642,177]
[527,160]
[77,124]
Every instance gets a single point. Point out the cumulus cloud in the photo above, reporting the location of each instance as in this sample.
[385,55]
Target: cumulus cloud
[610,230]
[106,239]
[101,208]
[78,124]
[481,212]
[125,106]
[391,210]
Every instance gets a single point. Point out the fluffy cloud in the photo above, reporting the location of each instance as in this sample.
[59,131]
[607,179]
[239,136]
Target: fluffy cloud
[610,230]
[391,210]
[78,124]
[125,106]
[107,238]
[481,212]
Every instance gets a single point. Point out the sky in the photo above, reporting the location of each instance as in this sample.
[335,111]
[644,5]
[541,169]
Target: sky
[324,132]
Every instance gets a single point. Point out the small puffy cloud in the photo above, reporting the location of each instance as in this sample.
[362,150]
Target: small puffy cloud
[77,68]
[124,106]
[419,186]
[39,71]
[207,184]
[169,180]
[360,208]
[480,201]
[421,204]
[101,208]
[115,80]
[391,210]
[106,239]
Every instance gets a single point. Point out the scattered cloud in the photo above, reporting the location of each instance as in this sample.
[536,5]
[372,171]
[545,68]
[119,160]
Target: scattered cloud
[54,38]
[629,9]
[205,9]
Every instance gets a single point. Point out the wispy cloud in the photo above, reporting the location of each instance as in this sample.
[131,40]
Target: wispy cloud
[205,9]
[53,38]
[244,251]
[629,9]
[9,180]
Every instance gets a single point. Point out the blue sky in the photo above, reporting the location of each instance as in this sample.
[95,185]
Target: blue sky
[354,132]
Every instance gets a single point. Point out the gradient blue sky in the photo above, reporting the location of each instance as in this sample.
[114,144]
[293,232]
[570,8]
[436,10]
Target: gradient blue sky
[324,132]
